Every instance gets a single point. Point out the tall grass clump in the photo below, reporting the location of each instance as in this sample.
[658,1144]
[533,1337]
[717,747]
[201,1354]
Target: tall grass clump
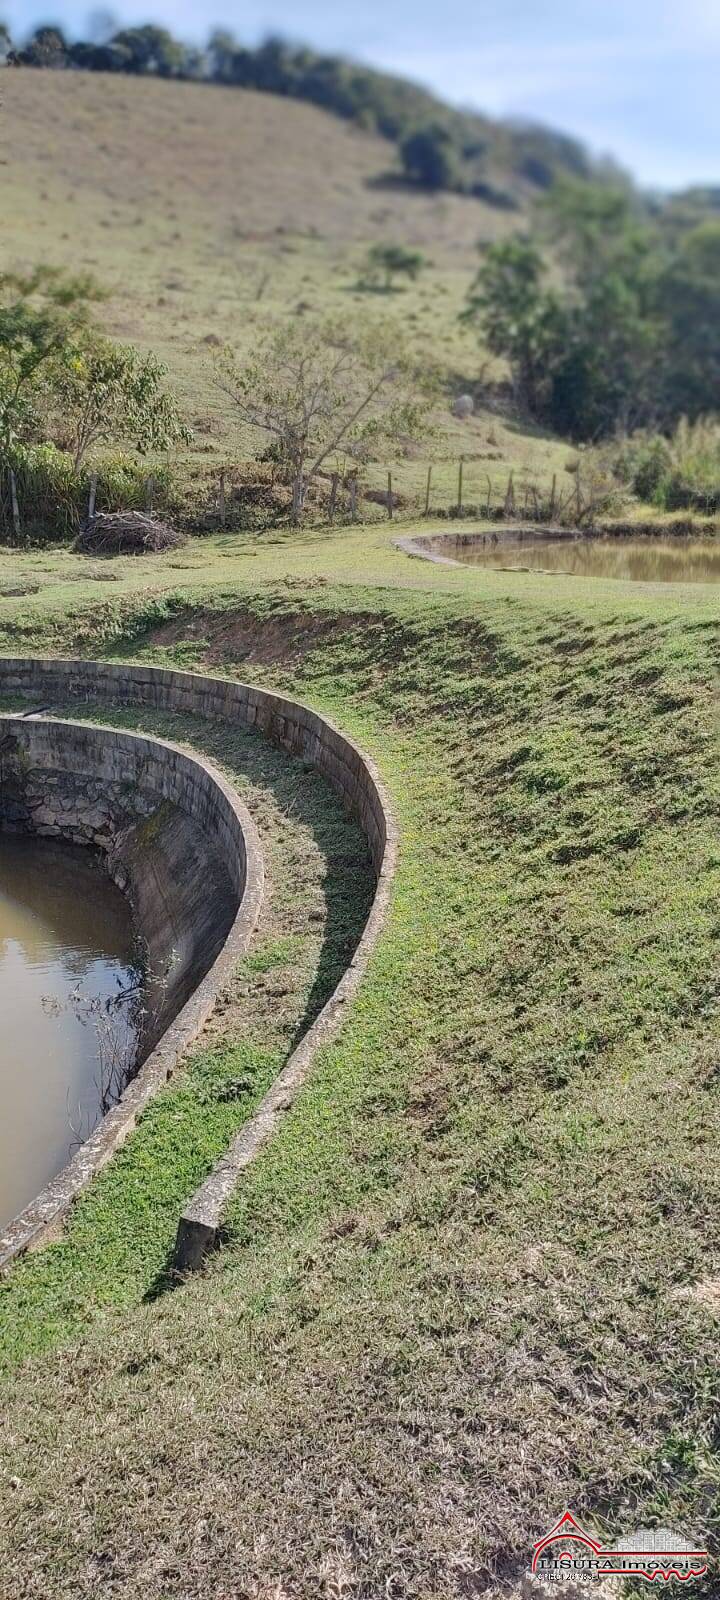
[53,495]
[677,472]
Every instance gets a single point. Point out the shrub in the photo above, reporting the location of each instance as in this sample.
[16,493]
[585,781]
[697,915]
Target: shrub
[643,462]
[385,262]
[681,472]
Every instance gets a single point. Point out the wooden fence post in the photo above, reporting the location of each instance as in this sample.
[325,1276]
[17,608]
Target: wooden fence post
[15,506]
[333,496]
[489,498]
[92,497]
[221,498]
[460,479]
[390,495]
[552,496]
[427,492]
[510,496]
[353,498]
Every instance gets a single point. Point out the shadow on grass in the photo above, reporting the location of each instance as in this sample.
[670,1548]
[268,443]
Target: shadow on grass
[298,792]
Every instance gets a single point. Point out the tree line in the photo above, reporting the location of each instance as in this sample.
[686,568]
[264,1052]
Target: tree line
[439,147]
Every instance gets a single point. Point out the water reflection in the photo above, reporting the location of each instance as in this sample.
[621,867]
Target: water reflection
[642,560]
[65,940]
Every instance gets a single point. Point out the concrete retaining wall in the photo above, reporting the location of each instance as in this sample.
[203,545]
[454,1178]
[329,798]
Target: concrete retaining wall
[177,838]
[305,734]
[287,722]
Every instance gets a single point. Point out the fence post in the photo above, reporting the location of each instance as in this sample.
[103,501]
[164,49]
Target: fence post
[333,496]
[353,498]
[427,492]
[15,506]
[552,496]
[489,498]
[389,495]
[221,498]
[460,479]
[510,496]
[92,497]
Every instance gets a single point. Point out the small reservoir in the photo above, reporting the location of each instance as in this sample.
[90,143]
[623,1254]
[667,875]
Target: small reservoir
[642,559]
[68,1004]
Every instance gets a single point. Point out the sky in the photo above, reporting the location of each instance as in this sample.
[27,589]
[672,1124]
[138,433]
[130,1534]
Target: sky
[637,79]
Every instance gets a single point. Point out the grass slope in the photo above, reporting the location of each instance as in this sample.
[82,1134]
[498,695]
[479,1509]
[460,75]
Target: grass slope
[476,1277]
[205,213]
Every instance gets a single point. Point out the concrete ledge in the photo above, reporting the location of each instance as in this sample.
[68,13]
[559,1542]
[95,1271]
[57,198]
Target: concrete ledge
[421,548]
[213,850]
[315,740]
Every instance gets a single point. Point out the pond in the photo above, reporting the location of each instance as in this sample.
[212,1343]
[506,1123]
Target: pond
[646,559]
[68,999]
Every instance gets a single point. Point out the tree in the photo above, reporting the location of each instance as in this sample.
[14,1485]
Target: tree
[222,48]
[608,373]
[605,374]
[594,227]
[41,313]
[388,261]
[590,354]
[316,389]
[46,47]
[519,318]
[108,391]
[149,50]
[689,298]
[428,157]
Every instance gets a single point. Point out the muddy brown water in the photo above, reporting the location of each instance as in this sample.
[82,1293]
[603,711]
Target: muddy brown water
[643,560]
[66,1013]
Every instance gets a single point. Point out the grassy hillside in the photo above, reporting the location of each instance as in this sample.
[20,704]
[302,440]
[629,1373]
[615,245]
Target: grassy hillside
[500,161]
[205,211]
[475,1277]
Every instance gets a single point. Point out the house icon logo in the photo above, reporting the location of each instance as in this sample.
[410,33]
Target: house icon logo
[658,1555]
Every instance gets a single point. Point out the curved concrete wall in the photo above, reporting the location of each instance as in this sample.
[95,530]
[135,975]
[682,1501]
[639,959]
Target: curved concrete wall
[305,734]
[287,722]
[174,835]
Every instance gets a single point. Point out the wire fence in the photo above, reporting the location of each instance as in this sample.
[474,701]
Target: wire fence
[36,509]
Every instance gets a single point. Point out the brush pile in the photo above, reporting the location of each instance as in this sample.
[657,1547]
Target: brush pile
[126,533]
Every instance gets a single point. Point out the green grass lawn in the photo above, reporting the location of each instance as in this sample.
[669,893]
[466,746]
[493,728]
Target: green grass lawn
[475,1279]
